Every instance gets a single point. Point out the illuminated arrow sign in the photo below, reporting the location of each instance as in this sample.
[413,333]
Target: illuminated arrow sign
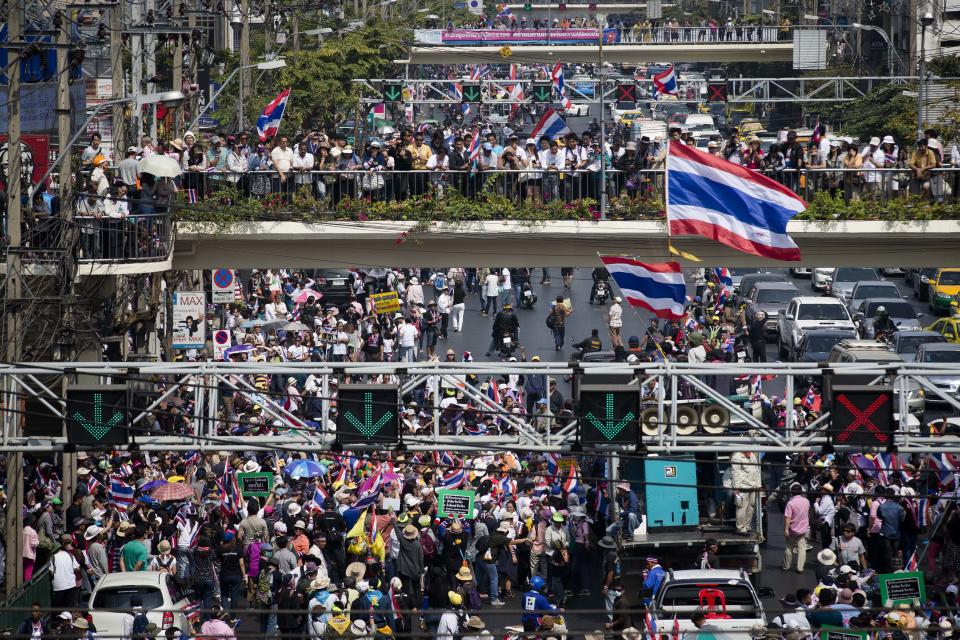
[367,413]
[542,91]
[471,92]
[392,93]
[97,415]
[609,414]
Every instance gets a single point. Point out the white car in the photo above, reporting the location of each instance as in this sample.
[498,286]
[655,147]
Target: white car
[821,277]
[163,601]
[577,110]
[805,313]
[731,593]
[806,272]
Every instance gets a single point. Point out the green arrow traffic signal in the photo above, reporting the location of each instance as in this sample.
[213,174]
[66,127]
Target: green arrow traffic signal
[392,92]
[471,92]
[97,426]
[368,426]
[542,91]
[609,426]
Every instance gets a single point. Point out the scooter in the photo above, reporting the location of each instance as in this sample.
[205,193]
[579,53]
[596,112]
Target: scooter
[507,347]
[527,297]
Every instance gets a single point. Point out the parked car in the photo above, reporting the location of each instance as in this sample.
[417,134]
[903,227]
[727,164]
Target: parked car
[163,601]
[920,279]
[806,313]
[681,593]
[815,345]
[871,289]
[820,279]
[771,298]
[949,328]
[906,343]
[944,285]
[844,279]
[334,284]
[899,311]
[941,353]
[747,281]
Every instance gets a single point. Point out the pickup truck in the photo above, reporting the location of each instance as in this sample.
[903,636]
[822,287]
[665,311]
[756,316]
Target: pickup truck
[727,597]
[805,313]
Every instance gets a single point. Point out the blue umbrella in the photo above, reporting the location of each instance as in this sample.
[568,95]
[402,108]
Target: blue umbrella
[238,348]
[152,485]
[305,469]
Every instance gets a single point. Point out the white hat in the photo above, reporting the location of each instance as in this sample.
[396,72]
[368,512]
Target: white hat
[251,466]
[827,557]
[845,568]
[618,299]
[414,280]
[875,141]
[280,527]
[92,532]
[411,500]
[531,141]
[358,627]
[293,508]
[889,140]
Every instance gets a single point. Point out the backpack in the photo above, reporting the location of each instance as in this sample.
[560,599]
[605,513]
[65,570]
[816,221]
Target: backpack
[428,544]
[139,629]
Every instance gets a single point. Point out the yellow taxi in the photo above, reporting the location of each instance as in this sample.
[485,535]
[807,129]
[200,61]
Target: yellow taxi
[949,328]
[944,287]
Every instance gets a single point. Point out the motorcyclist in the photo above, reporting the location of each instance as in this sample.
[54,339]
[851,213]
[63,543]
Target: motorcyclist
[505,323]
[599,274]
[535,605]
[882,324]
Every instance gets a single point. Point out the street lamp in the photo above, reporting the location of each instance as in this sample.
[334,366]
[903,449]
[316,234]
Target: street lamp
[886,38]
[925,22]
[263,66]
[169,99]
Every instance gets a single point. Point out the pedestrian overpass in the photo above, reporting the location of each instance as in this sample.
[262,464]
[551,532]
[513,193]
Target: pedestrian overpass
[544,244]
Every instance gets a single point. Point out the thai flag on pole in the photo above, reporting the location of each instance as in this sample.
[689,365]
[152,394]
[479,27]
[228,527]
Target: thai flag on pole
[367,499]
[711,197]
[556,75]
[724,277]
[551,125]
[911,563]
[658,288]
[650,623]
[121,494]
[503,11]
[665,83]
[508,486]
[268,124]
[493,391]
[516,90]
[320,494]
[92,485]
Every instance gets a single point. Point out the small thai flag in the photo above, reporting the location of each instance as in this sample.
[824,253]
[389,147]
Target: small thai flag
[911,564]
[508,486]
[675,634]
[453,479]
[320,494]
[121,494]
[192,196]
[125,470]
[650,623]
[570,484]
[92,485]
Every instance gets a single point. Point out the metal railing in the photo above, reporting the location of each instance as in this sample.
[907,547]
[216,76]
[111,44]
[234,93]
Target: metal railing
[134,238]
[634,34]
[643,187]
[15,608]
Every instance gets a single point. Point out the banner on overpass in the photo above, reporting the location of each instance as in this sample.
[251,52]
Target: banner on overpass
[514,36]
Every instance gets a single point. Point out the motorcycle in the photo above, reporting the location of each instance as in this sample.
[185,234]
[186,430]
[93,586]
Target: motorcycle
[527,297]
[507,346]
[602,292]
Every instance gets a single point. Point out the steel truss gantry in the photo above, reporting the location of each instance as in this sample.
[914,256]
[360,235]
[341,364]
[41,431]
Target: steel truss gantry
[663,383]
[739,90]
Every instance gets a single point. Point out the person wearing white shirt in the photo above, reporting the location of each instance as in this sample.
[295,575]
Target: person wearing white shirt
[236,164]
[282,158]
[551,160]
[826,510]
[66,571]
[507,288]
[414,293]
[491,293]
[406,340]
[575,161]
[301,165]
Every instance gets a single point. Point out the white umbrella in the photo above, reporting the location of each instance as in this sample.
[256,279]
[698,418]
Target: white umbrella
[160,166]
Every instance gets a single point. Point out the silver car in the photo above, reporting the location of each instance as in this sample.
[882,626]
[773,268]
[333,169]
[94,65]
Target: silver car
[844,279]
[941,353]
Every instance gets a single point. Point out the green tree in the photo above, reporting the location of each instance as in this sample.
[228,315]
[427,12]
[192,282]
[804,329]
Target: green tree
[321,78]
[883,111]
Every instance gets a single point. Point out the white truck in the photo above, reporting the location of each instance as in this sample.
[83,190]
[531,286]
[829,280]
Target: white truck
[805,313]
[726,597]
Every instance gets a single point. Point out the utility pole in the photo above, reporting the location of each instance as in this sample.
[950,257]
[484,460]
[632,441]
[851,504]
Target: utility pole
[244,56]
[194,52]
[64,132]
[150,44]
[295,27]
[136,62]
[601,23]
[14,514]
[116,62]
[178,71]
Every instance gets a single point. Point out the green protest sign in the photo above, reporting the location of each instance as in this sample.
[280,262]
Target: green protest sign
[906,587]
[455,502]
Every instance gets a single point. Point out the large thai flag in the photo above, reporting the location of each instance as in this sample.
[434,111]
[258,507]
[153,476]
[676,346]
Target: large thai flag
[665,84]
[711,197]
[551,125]
[658,288]
[556,75]
[268,124]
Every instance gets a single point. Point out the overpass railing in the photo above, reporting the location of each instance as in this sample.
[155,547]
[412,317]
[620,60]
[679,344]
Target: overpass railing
[681,407]
[639,33]
[631,194]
